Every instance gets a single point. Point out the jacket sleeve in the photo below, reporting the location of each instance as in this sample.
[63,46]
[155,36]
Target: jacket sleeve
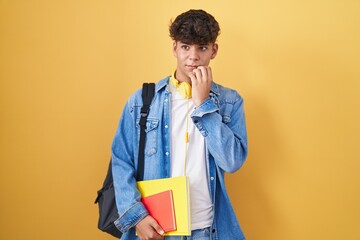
[131,210]
[223,126]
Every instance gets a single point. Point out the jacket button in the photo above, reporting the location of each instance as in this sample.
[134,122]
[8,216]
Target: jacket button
[211,178]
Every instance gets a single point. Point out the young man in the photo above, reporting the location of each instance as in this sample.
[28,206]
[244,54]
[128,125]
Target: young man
[187,103]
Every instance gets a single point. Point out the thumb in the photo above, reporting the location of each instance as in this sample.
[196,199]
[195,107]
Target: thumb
[157,228]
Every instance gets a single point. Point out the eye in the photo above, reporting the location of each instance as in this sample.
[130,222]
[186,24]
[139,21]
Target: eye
[203,48]
[185,47]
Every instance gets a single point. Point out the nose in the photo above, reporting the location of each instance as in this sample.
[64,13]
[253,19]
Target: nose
[193,54]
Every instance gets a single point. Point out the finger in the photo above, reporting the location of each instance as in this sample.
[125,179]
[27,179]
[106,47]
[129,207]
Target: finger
[145,228]
[197,73]
[157,228]
[204,73]
[209,73]
[192,77]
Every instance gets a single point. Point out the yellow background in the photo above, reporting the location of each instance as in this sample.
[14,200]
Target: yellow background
[67,67]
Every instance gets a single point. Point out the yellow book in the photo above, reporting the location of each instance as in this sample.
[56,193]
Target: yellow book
[181,196]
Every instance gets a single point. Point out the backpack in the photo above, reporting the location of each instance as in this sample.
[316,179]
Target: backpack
[108,212]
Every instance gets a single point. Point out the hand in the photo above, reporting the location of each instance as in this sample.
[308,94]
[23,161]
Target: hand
[201,80]
[148,229]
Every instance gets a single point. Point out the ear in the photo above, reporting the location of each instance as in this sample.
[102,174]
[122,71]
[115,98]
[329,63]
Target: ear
[174,48]
[215,49]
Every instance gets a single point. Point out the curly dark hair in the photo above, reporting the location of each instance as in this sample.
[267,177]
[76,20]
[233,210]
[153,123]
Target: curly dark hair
[194,27]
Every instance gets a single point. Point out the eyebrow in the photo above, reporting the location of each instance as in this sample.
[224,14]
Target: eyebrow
[199,44]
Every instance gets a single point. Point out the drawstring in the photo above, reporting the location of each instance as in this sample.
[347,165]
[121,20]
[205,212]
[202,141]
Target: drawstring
[186,136]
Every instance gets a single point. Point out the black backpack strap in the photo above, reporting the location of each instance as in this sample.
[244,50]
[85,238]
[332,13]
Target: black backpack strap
[148,92]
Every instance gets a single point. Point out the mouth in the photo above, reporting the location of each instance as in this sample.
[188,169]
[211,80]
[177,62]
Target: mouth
[191,67]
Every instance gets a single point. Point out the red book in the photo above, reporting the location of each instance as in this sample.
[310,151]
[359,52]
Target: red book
[161,207]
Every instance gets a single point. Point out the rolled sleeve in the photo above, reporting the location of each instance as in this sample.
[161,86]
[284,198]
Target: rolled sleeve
[225,132]
[207,106]
[131,217]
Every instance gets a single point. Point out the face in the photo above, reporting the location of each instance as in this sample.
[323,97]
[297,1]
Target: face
[191,56]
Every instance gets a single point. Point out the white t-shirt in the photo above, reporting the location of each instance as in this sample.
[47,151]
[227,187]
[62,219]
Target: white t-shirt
[201,206]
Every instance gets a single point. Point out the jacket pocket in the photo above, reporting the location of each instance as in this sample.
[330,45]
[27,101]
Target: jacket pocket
[151,135]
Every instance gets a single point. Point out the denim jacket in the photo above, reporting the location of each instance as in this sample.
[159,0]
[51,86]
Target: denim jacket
[221,121]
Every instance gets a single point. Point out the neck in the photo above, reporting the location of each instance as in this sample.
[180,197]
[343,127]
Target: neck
[182,78]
